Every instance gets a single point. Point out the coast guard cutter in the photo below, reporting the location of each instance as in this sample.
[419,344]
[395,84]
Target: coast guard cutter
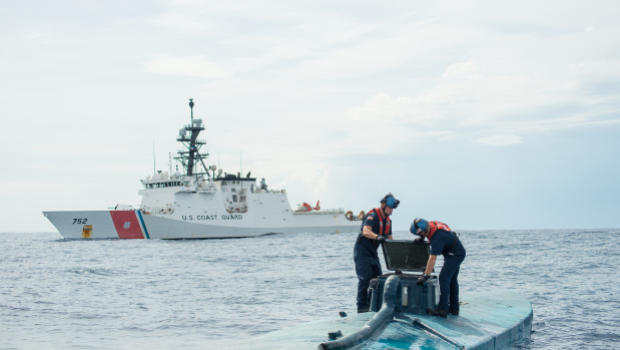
[199,203]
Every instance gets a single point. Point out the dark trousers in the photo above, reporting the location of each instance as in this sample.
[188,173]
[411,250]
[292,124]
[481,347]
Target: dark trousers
[449,284]
[366,268]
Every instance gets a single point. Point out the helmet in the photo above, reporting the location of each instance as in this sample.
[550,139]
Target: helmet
[390,201]
[418,223]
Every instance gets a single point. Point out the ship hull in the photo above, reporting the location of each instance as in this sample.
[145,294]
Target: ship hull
[487,321]
[134,224]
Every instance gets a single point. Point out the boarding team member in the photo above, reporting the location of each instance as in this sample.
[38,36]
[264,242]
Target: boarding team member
[443,241]
[376,228]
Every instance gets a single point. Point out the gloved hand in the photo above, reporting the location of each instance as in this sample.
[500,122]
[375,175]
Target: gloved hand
[380,239]
[422,279]
[418,240]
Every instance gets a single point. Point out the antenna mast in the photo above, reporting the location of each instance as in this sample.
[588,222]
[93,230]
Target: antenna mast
[191,108]
[169,164]
[189,137]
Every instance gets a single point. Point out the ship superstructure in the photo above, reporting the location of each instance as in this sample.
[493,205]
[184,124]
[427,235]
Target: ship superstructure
[201,201]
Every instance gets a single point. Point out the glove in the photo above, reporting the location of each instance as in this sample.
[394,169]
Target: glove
[422,279]
[380,239]
[418,240]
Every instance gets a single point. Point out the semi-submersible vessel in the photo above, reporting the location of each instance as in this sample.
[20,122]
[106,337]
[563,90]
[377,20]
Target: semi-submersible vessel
[489,319]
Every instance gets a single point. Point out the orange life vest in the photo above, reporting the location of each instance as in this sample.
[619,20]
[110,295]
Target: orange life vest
[436,225]
[388,222]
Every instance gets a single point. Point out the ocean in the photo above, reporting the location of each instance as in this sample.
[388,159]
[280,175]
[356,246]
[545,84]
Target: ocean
[212,294]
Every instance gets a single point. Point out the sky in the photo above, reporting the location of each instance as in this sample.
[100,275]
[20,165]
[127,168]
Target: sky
[480,114]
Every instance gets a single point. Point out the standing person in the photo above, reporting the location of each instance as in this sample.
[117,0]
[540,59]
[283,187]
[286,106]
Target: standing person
[376,227]
[443,241]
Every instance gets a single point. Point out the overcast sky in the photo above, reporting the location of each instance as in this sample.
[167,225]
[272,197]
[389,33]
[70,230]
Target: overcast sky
[481,114]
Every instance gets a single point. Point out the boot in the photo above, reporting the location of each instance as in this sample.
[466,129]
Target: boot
[437,312]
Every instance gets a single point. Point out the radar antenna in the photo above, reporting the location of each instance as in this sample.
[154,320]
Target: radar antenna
[188,157]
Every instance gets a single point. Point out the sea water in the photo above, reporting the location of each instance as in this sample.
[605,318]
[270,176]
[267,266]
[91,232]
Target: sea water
[212,294]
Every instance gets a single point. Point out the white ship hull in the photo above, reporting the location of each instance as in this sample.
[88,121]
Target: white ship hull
[134,224]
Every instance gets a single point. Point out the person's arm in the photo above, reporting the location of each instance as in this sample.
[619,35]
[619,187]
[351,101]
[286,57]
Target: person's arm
[430,265]
[367,232]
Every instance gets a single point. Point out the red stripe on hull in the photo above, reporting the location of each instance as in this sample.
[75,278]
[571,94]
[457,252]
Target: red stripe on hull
[126,224]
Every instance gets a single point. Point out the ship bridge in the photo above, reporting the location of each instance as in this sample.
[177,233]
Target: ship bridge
[161,179]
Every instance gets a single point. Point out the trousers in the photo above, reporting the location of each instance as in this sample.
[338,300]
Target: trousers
[449,284]
[366,268]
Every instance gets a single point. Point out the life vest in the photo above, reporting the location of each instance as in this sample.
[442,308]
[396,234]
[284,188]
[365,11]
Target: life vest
[436,225]
[388,222]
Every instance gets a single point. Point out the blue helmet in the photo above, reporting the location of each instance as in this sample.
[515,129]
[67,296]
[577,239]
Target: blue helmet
[390,201]
[418,223]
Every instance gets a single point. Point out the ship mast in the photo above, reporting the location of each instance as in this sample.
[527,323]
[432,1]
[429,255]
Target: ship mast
[191,110]
[189,157]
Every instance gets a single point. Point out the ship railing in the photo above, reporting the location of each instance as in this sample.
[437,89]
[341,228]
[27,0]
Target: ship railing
[320,212]
[206,189]
[259,190]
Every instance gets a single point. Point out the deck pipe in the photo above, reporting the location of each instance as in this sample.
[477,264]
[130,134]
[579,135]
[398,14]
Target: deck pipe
[391,301]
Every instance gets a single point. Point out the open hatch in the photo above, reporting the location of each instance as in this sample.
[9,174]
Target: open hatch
[405,255]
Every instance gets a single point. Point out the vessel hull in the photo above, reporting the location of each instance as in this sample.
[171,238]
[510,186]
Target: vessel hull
[134,224]
[487,321]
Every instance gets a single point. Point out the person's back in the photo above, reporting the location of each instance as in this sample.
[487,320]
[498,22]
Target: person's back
[446,243]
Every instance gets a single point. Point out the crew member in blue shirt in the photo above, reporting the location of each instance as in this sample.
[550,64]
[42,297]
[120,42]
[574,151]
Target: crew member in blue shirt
[443,241]
[376,228]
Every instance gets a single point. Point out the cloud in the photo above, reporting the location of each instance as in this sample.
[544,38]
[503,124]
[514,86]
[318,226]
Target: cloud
[414,75]
[192,66]
[42,38]
[500,140]
[470,100]
[183,22]
[461,70]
